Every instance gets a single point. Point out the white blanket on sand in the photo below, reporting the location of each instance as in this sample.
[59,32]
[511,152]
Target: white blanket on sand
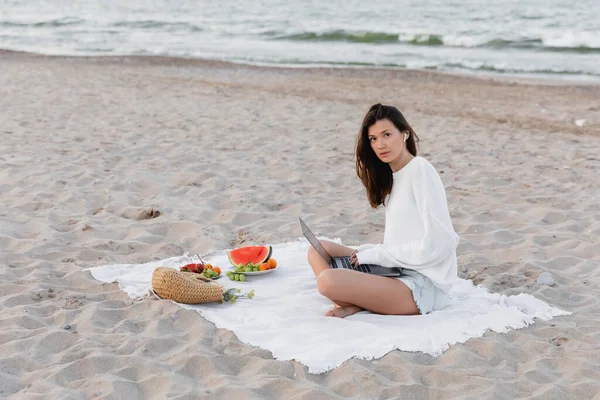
[286,314]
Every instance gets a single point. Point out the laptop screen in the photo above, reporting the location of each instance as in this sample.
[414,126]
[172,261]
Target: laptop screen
[315,242]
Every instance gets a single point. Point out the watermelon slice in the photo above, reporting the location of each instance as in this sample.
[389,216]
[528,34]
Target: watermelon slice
[249,254]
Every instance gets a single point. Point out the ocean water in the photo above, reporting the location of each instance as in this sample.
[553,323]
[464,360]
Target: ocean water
[546,38]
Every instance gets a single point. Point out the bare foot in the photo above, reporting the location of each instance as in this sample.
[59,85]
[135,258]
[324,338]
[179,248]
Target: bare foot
[342,312]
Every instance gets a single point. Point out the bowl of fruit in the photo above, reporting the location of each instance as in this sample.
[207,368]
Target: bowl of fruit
[202,268]
[250,260]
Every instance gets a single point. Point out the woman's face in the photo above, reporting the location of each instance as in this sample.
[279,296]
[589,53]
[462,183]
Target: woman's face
[386,141]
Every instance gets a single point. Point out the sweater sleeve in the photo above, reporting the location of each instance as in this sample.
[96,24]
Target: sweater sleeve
[439,238]
[364,247]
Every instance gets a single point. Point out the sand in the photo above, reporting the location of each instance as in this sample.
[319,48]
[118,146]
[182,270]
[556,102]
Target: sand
[126,160]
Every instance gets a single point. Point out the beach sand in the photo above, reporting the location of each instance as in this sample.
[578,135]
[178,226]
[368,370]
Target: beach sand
[131,159]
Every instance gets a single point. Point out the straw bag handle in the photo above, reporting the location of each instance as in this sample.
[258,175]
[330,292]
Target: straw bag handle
[202,278]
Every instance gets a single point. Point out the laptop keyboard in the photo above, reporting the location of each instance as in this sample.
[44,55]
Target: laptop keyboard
[362,268]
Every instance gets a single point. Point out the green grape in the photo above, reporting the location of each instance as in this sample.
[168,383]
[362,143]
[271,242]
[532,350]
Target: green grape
[243,278]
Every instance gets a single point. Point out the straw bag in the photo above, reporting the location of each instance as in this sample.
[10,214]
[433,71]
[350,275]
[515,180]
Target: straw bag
[185,287]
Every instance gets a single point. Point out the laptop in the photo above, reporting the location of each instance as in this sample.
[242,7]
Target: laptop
[344,262]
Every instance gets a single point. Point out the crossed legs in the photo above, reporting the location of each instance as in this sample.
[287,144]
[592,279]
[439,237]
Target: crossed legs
[353,291]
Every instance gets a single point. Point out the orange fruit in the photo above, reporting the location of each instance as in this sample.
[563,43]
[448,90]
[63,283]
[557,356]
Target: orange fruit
[217,270]
[272,263]
[264,266]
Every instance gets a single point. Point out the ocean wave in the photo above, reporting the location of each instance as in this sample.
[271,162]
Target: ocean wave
[328,63]
[465,66]
[490,68]
[448,66]
[537,44]
[52,23]
[427,40]
[358,37]
[153,24]
[339,36]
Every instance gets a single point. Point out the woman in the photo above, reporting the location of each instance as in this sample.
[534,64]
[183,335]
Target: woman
[418,237]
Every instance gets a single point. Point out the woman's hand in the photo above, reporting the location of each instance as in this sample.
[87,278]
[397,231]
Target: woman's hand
[354,259]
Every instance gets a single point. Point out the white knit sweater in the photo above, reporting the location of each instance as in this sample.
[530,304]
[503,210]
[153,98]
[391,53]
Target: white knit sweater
[418,230]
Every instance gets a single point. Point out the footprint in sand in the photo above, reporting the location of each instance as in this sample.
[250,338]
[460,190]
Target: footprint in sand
[146,213]
[558,341]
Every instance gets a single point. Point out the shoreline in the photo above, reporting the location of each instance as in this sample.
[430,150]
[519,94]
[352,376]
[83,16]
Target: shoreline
[516,104]
[198,61]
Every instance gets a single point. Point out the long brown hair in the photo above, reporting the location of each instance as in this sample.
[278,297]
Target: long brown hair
[374,173]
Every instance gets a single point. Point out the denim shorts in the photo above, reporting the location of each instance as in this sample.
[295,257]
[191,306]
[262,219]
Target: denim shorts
[427,296]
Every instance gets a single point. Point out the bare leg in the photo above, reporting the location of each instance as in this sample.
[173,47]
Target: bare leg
[334,249]
[319,265]
[353,291]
